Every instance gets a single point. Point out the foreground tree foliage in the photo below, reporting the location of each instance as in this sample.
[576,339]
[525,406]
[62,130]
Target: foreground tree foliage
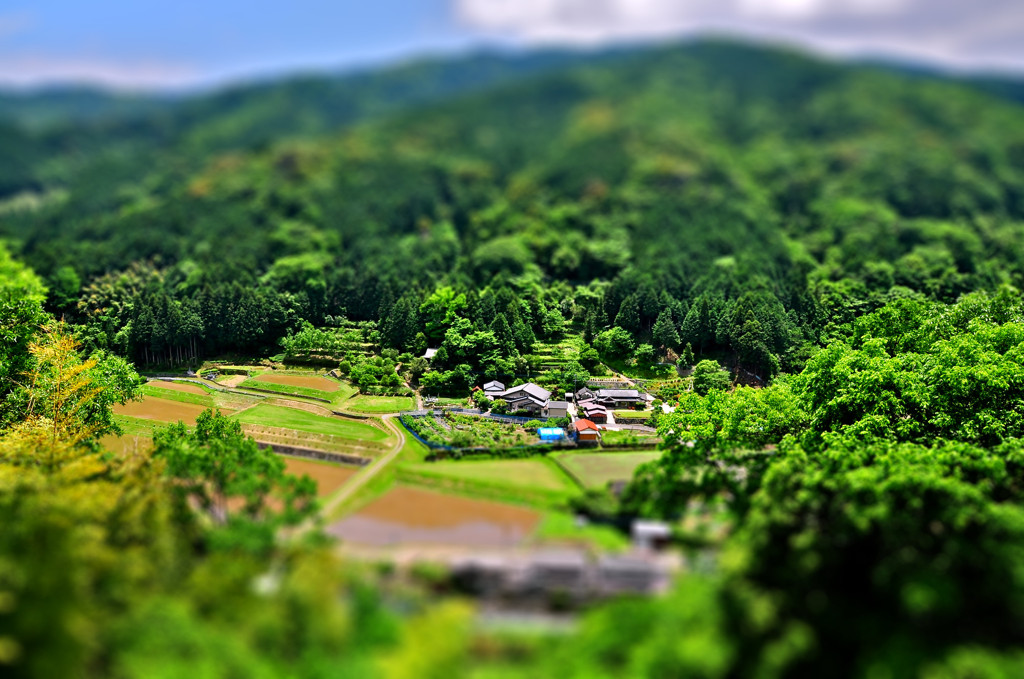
[242,488]
[885,527]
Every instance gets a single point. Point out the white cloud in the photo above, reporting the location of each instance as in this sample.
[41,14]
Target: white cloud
[956,32]
[30,70]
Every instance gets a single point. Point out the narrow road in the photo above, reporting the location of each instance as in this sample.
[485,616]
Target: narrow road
[369,471]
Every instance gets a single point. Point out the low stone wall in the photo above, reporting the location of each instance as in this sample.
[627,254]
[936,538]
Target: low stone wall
[312,454]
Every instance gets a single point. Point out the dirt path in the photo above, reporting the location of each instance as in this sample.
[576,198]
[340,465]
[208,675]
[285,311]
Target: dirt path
[368,472]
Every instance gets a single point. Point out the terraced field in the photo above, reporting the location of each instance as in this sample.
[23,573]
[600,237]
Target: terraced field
[161,410]
[329,477]
[308,386]
[533,473]
[378,404]
[596,470]
[411,516]
[300,420]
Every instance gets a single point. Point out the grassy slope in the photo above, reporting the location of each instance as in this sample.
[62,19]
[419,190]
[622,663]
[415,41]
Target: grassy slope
[378,404]
[595,470]
[179,396]
[287,418]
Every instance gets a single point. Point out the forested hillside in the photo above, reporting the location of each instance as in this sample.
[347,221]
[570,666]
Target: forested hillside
[848,239]
[762,197]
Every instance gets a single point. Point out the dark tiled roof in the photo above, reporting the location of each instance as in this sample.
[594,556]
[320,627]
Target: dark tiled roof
[534,391]
[618,393]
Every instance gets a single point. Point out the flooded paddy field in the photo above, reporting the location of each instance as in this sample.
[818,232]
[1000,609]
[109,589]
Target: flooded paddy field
[302,381]
[596,470]
[408,516]
[329,477]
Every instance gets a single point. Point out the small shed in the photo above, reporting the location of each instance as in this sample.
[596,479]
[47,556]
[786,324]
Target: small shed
[650,534]
[551,433]
[586,431]
[429,353]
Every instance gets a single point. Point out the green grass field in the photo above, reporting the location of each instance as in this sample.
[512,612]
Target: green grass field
[378,404]
[179,396]
[287,389]
[625,438]
[288,418]
[134,426]
[536,474]
[561,527]
[595,470]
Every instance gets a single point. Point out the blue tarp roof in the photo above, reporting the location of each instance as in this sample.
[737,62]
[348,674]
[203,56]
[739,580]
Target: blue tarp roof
[551,432]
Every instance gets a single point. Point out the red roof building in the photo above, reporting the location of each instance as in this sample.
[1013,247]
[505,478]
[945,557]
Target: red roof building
[586,431]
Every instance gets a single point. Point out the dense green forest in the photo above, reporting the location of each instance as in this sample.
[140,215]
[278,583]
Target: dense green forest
[847,238]
[757,199]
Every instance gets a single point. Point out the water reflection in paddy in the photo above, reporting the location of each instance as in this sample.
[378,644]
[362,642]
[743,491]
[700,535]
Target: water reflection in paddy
[415,516]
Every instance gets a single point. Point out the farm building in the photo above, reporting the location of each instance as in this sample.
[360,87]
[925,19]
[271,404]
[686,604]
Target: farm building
[586,432]
[551,433]
[555,409]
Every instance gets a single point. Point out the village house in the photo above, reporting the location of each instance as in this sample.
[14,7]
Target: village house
[613,398]
[529,397]
[593,411]
[493,388]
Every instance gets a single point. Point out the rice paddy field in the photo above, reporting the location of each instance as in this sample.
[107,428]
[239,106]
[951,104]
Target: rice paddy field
[309,386]
[160,410]
[414,516]
[300,420]
[597,470]
[329,477]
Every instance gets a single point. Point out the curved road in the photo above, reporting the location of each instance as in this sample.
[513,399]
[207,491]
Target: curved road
[369,471]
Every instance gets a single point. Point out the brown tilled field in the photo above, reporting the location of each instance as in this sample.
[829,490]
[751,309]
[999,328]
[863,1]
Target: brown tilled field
[310,382]
[161,409]
[177,386]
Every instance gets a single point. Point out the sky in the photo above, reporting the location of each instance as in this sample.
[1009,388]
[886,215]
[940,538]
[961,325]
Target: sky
[163,44]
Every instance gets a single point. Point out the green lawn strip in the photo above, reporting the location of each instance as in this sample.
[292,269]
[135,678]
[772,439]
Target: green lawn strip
[344,392]
[561,526]
[180,396]
[413,450]
[595,470]
[625,437]
[289,418]
[253,383]
[378,404]
[135,426]
[529,473]
[483,489]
